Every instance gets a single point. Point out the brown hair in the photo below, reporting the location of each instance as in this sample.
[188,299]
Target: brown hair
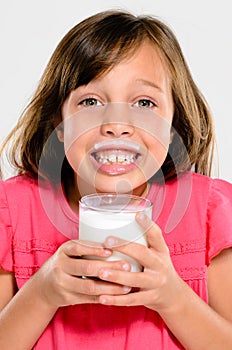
[88,50]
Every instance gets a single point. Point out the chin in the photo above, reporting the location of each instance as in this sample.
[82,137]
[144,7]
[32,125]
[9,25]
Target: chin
[118,184]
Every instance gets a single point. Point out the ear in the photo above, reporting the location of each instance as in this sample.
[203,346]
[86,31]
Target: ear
[58,125]
[171,136]
[60,132]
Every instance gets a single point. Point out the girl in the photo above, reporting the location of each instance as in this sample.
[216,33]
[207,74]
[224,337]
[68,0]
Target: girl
[115,111]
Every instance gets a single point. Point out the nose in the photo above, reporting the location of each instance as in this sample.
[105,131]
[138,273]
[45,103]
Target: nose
[117,121]
[117,129]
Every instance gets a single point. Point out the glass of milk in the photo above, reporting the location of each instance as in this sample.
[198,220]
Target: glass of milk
[103,215]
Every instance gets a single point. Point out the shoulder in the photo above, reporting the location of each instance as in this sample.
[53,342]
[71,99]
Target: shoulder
[216,192]
[211,184]
[18,182]
[197,182]
[200,185]
[187,188]
[204,191]
[21,192]
[218,216]
[221,191]
[191,198]
[18,188]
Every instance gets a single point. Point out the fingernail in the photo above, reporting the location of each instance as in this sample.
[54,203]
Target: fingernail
[141,216]
[107,251]
[103,301]
[143,219]
[126,267]
[105,274]
[110,241]
[126,289]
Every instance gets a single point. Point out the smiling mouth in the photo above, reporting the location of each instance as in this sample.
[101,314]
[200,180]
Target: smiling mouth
[116,157]
[121,157]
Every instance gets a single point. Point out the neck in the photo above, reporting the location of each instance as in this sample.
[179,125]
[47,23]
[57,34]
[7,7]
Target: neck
[73,194]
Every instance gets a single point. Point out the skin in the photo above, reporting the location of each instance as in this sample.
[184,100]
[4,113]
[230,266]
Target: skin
[57,283]
[139,80]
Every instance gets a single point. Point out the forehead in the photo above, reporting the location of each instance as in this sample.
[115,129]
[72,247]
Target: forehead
[147,57]
[146,63]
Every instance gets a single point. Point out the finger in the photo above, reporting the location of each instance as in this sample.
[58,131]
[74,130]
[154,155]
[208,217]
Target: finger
[133,279]
[131,299]
[92,287]
[137,251]
[153,233]
[90,268]
[77,285]
[75,290]
[75,248]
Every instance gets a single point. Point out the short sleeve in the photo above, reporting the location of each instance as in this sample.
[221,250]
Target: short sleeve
[6,261]
[219,217]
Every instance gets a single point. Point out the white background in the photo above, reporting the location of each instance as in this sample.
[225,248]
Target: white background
[30,31]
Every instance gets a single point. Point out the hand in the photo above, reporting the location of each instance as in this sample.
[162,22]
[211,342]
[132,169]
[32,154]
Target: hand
[158,285]
[60,281]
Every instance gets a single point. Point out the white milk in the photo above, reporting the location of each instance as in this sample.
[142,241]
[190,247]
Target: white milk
[97,225]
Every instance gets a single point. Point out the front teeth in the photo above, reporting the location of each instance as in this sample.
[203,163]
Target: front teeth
[113,158]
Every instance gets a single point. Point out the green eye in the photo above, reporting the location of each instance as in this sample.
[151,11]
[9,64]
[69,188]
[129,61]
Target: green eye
[90,102]
[144,103]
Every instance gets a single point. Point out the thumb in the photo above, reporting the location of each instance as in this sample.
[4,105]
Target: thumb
[153,233]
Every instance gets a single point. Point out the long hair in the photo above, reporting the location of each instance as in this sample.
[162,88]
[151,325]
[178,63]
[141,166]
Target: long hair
[87,51]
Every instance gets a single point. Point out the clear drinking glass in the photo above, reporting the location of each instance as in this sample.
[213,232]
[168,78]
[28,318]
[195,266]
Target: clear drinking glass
[103,215]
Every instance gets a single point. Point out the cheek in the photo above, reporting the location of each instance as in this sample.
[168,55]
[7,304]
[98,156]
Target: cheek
[156,154]
[159,152]
[75,151]
[155,131]
[77,140]
[73,157]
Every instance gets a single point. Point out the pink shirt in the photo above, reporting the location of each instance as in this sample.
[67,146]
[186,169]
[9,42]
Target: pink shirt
[194,213]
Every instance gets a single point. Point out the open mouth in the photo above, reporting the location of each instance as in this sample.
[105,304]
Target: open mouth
[116,157]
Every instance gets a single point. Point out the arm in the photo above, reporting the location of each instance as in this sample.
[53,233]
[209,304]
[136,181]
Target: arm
[25,315]
[8,281]
[18,329]
[207,326]
[195,324]
[220,284]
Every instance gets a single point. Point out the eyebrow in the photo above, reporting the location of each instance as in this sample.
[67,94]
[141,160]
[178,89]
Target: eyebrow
[150,83]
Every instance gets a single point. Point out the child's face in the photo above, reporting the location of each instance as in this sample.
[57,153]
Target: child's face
[117,128]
